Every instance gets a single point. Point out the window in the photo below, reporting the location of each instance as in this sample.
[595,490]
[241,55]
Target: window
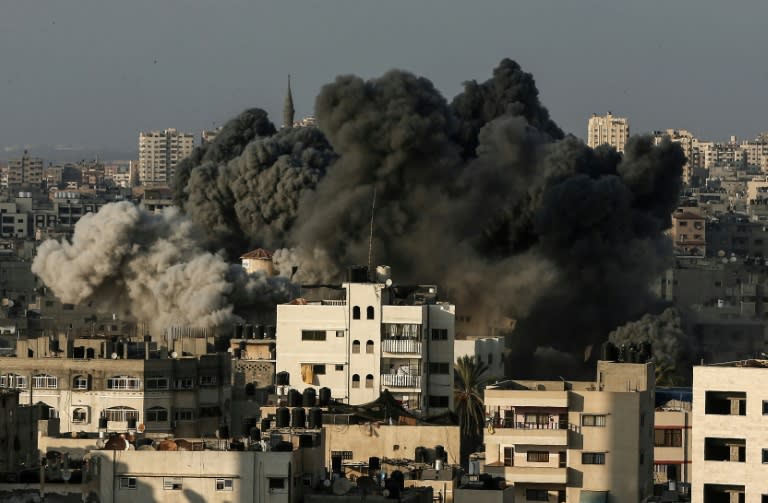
[439,334]
[172,483]
[438,401]
[339,333]
[318,369]
[356,313]
[765,456]
[538,457]
[80,382]
[369,312]
[369,347]
[184,383]
[355,347]
[80,415]
[276,483]
[183,415]
[536,495]
[439,368]
[765,407]
[668,437]
[45,381]
[509,456]
[369,381]
[593,458]
[593,420]
[156,383]
[13,381]
[127,482]
[355,381]
[156,414]
[121,414]
[207,380]
[123,382]
[224,484]
[339,368]
[344,455]
[313,335]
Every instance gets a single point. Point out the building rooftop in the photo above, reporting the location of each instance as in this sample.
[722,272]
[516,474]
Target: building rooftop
[751,363]
[258,253]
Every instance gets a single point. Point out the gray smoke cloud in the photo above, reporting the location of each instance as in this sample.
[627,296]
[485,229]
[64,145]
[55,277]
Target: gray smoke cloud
[126,260]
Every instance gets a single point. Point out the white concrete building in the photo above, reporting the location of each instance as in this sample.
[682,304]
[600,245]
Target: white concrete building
[730,440]
[160,152]
[488,350]
[603,129]
[374,337]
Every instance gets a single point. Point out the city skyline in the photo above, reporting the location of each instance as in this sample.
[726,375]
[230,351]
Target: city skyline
[664,71]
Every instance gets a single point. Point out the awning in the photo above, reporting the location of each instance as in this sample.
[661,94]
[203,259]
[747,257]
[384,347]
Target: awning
[593,497]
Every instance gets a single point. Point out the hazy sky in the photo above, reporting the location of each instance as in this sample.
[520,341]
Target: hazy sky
[95,73]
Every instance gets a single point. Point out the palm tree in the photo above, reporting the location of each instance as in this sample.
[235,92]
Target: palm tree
[468,385]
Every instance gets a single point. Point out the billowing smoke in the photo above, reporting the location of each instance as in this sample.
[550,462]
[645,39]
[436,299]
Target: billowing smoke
[126,260]
[671,351]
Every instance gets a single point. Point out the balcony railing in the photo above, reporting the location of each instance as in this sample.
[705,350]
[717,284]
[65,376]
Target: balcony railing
[401,346]
[401,381]
[510,423]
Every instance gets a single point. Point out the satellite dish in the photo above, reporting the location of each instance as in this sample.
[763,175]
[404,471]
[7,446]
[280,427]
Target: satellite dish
[114,356]
[721,253]
[341,486]
[388,282]
[174,355]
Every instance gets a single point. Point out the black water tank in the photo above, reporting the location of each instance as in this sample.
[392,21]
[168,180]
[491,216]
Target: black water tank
[440,453]
[298,417]
[147,338]
[283,417]
[103,423]
[336,463]
[223,431]
[309,397]
[258,331]
[283,379]
[398,477]
[236,446]
[248,423]
[315,418]
[306,441]
[242,346]
[374,463]
[247,331]
[283,446]
[271,332]
[646,351]
[266,424]
[325,397]
[610,352]
[421,455]
[254,434]
[237,332]
[357,274]
[294,398]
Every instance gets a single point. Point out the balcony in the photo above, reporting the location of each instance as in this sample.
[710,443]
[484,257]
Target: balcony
[401,381]
[412,346]
[528,474]
[535,434]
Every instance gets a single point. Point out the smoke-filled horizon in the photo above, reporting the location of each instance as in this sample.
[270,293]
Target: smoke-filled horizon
[484,195]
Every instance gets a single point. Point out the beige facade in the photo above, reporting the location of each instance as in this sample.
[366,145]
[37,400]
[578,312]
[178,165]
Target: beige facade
[160,152]
[258,260]
[368,342]
[672,462]
[607,129]
[488,350]
[730,441]
[25,170]
[689,233]
[558,441]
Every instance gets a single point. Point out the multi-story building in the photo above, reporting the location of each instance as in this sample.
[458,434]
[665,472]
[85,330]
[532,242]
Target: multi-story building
[160,152]
[569,441]
[372,336]
[607,129]
[208,135]
[672,463]
[103,383]
[688,233]
[25,170]
[730,441]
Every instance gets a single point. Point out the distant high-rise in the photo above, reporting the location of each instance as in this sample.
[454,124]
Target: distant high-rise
[25,170]
[608,129]
[160,152]
[288,110]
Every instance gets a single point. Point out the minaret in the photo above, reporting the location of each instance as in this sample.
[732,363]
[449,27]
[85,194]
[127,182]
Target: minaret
[288,110]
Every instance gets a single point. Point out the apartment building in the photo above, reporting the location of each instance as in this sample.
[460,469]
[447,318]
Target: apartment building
[730,441]
[160,152]
[363,337]
[607,129]
[25,170]
[688,233]
[574,441]
[104,384]
[672,440]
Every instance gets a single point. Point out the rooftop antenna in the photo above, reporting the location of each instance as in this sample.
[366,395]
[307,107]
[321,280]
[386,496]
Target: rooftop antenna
[370,238]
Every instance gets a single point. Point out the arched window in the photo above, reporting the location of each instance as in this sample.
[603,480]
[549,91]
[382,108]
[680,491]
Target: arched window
[369,381]
[356,313]
[121,413]
[43,381]
[355,346]
[80,415]
[80,382]
[369,312]
[355,381]
[369,347]
[156,415]
[123,382]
